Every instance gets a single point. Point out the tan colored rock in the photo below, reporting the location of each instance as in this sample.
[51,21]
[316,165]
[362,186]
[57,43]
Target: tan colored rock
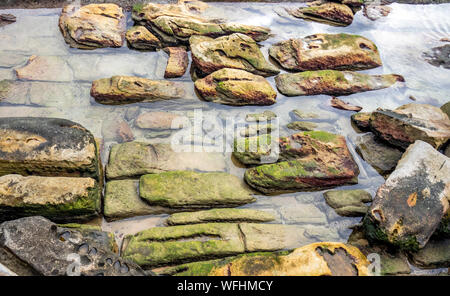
[45,68]
[177,63]
[140,38]
[236,87]
[220,215]
[159,120]
[330,13]
[93,26]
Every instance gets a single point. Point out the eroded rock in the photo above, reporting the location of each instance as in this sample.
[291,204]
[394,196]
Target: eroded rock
[330,13]
[220,215]
[93,26]
[326,51]
[140,38]
[128,89]
[236,51]
[349,203]
[177,63]
[236,87]
[411,204]
[361,120]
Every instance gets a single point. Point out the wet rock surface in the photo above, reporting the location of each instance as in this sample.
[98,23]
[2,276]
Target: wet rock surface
[411,122]
[187,189]
[177,63]
[436,254]
[257,117]
[350,203]
[361,120]
[236,51]
[326,51]
[56,251]
[236,87]
[331,82]
[139,37]
[159,120]
[127,89]
[374,12]
[415,192]
[6,19]
[302,126]
[93,26]
[331,13]
[439,56]
[45,68]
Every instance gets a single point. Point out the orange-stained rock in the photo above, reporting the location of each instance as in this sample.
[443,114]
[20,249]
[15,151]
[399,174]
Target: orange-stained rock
[177,63]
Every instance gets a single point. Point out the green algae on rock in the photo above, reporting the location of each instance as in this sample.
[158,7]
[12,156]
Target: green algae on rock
[436,254]
[175,23]
[47,147]
[332,82]
[236,51]
[220,215]
[122,200]
[326,51]
[93,26]
[57,198]
[133,159]
[128,89]
[318,259]
[349,203]
[188,189]
[310,161]
[330,13]
[408,123]
[236,87]
[250,150]
[140,38]
[302,125]
[409,207]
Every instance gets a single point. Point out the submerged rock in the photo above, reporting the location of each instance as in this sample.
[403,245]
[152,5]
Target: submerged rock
[259,117]
[326,51]
[349,203]
[93,26]
[51,250]
[330,13]
[45,68]
[56,198]
[302,125]
[361,120]
[410,205]
[128,89]
[187,189]
[236,51]
[159,120]
[6,19]
[381,157]
[175,23]
[310,161]
[318,259]
[140,38]
[256,129]
[331,82]
[177,63]
[374,12]
[439,56]
[408,123]
[47,147]
[436,254]
[220,215]
[133,159]
[236,87]
[122,200]
[339,104]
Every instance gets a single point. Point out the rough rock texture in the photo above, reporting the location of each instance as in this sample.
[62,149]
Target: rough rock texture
[330,13]
[446,108]
[140,38]
[122,201]
[331,82]
[436,254]
[187,189]
[326,51]
[309,161]
[56,251]
[408,123]
[251,150]
[56,198]
[409,207]
[177,63]
[128,89]
[220,215]
[258,117]
[339,104]
[236,51]
[175,23]
[45,68]
[93,26]
[318,259]
[236,87]
[350,203]
[158,120]
[6,19]
[47,147]
[186,243]
[380,156]
[302,125]
[439,56]
[134,159]
[361,120]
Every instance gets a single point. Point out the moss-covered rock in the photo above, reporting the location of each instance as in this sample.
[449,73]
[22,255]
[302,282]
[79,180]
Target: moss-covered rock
[350,203]
[236,87]
[220,215]
[93,26]
[302,125]
[140,38]
[330,13]
[408,123]
[47,147]
[326,51]
[309,161]
[236,51]
[128,89]
[332,82]
[133,159]
[409,207]
[436,254]
[188,189]
[250,150]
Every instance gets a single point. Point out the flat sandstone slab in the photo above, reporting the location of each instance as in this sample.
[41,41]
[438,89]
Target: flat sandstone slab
[177,63]
[220,215]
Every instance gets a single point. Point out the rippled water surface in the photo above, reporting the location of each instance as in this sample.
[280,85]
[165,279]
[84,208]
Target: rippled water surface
[401,38]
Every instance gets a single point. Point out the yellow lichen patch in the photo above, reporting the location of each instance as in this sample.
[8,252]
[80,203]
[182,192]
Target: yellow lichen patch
[13,141]
[412,199]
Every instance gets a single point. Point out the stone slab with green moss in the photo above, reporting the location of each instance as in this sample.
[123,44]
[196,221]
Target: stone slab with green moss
[220,215]
[350,203]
